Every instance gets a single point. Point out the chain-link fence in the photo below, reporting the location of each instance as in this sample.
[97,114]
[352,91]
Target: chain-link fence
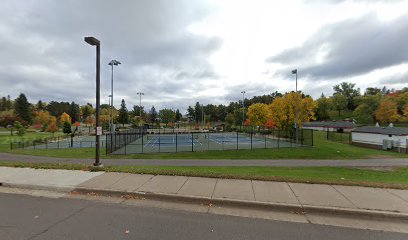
[342,137]
[132,142]
[59,142]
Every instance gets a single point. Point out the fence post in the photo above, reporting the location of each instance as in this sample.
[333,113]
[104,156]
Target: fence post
[237,140]
[312,137]
[278,137]
[251,137]
[11,145]
[142,143]
[192,144]
[159,139]
[265,138]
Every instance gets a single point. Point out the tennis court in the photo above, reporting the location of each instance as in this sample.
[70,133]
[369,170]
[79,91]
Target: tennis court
[190,142]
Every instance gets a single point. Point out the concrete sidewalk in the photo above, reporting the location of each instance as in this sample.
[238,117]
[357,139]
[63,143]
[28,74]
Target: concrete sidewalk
[290,196]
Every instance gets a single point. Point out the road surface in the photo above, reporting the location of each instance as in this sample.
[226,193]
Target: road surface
[28,217]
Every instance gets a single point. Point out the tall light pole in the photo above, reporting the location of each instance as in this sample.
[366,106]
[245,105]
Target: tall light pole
[297,110]
[95,42]
[112,63]
[243,108]
[140,108]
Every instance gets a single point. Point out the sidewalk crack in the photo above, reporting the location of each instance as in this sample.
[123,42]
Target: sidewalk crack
[335,189]
[253,191]
[301,204]
[183,185]
[387,190]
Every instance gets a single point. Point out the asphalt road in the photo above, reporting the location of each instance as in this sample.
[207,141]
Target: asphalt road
[202,162]
[27,217]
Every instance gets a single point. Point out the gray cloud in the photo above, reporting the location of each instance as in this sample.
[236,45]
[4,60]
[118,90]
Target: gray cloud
[401,78]
[349,48]
[44,55]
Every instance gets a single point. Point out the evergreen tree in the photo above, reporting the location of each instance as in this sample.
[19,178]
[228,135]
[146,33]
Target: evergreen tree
[123,113]
[67,128]
[39,106]
[178,115]
[153,115]
[74,112]
[23,108]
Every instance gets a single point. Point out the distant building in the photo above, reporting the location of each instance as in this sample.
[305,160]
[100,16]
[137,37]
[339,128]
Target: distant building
[387,138]
[332,126]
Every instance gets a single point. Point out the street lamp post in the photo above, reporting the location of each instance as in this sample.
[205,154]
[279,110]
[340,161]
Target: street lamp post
[140,109]
[95,42]
[243,108]
[297,110]
[112,63]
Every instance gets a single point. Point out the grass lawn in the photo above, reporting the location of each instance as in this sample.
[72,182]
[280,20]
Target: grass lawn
[397,178]
[6,139]
[323,149]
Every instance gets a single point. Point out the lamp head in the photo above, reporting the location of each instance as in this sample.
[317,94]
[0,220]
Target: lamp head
[92,41]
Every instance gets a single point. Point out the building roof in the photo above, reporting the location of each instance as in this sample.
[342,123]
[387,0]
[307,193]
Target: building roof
[401,131]
[337,124]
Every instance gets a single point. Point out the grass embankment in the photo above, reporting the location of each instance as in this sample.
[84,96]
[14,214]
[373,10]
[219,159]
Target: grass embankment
[397,178]
[322,149]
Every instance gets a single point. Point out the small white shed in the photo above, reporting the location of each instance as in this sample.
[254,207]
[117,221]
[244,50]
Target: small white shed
[387,138]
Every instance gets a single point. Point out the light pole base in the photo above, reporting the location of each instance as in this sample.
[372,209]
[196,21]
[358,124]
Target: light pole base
[99,165]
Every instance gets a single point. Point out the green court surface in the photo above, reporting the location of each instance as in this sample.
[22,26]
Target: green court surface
[191,142]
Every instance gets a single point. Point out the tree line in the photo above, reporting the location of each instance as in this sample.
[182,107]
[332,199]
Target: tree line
[276,109]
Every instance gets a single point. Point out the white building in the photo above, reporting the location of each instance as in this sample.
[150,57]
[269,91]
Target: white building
[387,138]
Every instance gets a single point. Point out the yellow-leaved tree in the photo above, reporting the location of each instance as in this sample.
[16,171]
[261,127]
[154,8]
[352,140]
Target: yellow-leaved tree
[43,118]
[65,118]
[283,110]
[387,111]
[258,114]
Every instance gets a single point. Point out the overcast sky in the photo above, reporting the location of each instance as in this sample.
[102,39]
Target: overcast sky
[182,51]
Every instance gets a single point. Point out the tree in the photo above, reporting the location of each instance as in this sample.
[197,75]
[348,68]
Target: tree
[348,91]
[387,111]
[153,115]
[23,108]
[21,130]
[283,110]
[67,128]
[191,112]
[65,118]
[270,124]
[5,103]
[197,110]
[52,128]
[339,102]
[370,91]
[258,114]
[247,122]
[40,106]
[57,108]
[323,107]
[363,114]
[43,118]
[74,112]
[178,115]
[123,114]
[86,111]
[230,119]
[7,118]
[167,116]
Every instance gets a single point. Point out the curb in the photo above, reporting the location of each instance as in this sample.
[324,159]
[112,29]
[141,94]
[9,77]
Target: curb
[52,188]
[294,208]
